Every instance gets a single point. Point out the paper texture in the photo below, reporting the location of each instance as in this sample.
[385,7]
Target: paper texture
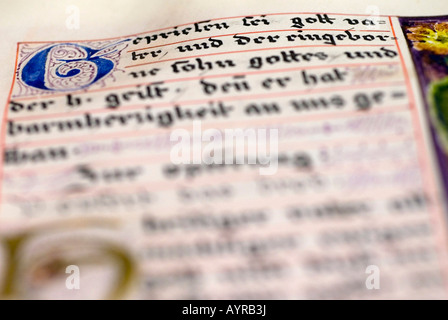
[223,152]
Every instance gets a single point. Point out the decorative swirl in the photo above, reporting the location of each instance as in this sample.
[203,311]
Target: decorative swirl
[68,52]
[69,66]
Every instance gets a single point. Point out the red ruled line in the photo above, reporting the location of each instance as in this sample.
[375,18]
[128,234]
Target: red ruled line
[65,114]
[4,119]
[55,167]
[252,32]
[169,80]
[214,19]
[210,124]
[262,49]
[221,177]
[3,128]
